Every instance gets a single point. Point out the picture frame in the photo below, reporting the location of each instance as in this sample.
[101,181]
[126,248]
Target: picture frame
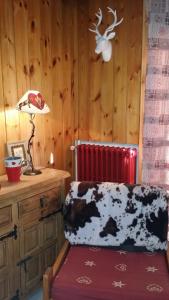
[19,148]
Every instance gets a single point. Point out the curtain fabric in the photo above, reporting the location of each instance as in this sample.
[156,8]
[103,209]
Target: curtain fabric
[156,115]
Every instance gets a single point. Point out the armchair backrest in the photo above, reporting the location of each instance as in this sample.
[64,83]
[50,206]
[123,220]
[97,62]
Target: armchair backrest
[132,217]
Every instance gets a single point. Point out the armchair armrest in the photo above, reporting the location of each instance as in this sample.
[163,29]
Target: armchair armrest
[52,271]
[60,259]
[47,279]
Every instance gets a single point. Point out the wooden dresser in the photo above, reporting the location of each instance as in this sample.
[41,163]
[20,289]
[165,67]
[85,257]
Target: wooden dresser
[31,230]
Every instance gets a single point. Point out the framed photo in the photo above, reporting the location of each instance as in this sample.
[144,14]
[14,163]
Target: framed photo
[19,149]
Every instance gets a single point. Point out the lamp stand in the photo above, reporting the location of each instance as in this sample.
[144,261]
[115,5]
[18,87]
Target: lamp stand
[32,171]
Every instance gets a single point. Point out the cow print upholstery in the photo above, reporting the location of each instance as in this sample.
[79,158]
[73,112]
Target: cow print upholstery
[117,215]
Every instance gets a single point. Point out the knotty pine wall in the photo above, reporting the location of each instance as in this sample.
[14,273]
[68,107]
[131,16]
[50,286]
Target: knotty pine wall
[46,45]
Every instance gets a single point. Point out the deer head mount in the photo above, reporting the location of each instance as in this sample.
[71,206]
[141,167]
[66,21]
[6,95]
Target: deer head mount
[103,44]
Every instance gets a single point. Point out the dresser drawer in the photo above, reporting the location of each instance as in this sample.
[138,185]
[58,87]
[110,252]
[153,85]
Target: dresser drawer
[40,205]
[29,210]
[50,201]
[5,216]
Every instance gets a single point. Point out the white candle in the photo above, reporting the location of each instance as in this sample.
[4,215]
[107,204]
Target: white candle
[51,160]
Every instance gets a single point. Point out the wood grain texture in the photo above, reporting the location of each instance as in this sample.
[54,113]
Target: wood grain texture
[83,69]
[36,74]
[8,70]
[57,82]
[2,122]
[68,82]
[46,45]
[48,176]
[22,60]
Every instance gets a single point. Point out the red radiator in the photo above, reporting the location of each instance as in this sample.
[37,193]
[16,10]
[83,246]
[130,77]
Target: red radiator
[106,163]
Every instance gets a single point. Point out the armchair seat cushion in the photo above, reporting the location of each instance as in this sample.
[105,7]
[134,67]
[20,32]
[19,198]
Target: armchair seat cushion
[103,274]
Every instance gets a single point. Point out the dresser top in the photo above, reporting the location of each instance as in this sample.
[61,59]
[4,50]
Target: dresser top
[29,183]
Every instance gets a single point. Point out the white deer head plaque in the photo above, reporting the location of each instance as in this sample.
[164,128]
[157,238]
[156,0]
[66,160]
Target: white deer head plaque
[103,44]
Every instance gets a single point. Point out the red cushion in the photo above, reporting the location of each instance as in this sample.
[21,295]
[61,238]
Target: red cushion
[99,273]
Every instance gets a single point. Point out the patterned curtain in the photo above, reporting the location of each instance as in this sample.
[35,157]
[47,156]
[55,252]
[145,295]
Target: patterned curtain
[156,118]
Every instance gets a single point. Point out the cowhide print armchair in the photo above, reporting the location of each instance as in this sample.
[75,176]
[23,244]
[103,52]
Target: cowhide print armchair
[117,218]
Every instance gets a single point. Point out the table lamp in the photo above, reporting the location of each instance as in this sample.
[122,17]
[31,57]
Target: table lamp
[32,103]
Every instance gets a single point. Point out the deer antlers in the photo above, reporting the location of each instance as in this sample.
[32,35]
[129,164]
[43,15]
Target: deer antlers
[114,24]
[110,28]
[99,16]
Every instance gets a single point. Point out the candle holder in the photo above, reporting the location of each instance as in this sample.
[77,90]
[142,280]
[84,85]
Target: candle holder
[51,161]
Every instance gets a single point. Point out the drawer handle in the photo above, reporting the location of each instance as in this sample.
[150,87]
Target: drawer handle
[43,200]
[12,233]
[23,262]
[16,296]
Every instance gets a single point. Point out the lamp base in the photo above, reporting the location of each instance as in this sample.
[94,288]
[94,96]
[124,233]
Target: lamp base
[32,172]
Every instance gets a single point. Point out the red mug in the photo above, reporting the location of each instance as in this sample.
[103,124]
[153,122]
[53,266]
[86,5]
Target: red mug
[13,168]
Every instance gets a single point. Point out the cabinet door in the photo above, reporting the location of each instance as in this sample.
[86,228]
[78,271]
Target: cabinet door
[49,255]
[9,284]
[29,239]
[5,217]
[31,272]
[9,252]
[4,286]
[9,278]
[60,226]
[49,230]
[4,255]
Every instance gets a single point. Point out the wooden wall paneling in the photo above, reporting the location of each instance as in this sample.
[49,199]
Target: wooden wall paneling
[134,34]
[120,74]
[9,70]
[35,71]
[75,85]
[107,84]
[46,74]
[57,82]
[2,123]
[68,81]
[83,23]
[75,74]
[94,79]
[22,60]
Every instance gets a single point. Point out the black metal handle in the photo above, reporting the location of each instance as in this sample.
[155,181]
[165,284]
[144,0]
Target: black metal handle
[51,214]
[16,296]
[23,262]
[12,233]
[42,201]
